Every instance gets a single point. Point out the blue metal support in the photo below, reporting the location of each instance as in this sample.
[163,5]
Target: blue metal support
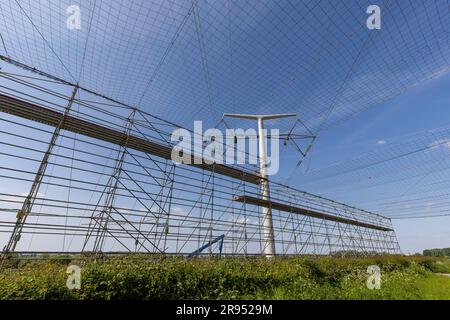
[207,245]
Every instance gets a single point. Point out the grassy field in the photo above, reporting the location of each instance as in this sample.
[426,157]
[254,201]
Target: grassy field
[138,277]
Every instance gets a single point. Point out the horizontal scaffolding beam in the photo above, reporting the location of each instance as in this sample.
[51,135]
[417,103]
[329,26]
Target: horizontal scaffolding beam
[50,117]
[306,212]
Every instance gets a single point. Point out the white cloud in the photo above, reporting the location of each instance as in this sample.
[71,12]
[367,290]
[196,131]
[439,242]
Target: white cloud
[39,194]
[241,220]
[381,142]
[442,143]
[178,210]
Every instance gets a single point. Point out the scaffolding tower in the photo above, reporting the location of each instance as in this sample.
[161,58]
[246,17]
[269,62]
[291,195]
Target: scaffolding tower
[81,172]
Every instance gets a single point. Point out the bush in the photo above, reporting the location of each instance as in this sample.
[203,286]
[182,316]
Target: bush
[445,252]
[144,277]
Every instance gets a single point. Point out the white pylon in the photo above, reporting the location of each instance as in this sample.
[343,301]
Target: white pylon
[269,238]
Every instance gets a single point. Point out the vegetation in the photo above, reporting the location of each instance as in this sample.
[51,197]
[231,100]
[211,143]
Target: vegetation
[142,277]
[444,252]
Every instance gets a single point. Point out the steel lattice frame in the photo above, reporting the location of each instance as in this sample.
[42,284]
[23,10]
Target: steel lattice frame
[97,185]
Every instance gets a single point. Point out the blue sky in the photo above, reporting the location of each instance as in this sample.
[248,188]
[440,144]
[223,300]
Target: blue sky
[314,58]
[421,109]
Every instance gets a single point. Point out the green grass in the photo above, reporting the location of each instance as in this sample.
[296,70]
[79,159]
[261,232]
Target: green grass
[140,277]
[434,287]
[440,265]
[394,287]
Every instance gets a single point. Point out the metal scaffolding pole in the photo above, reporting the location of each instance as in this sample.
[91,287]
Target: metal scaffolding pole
[27,206]
[101,225]
[133,210]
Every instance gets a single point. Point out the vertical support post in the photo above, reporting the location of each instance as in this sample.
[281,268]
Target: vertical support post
[112,189]
[27,206]
[269,238]
[211,218]
[99,225]
[394,241]
[170,195]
